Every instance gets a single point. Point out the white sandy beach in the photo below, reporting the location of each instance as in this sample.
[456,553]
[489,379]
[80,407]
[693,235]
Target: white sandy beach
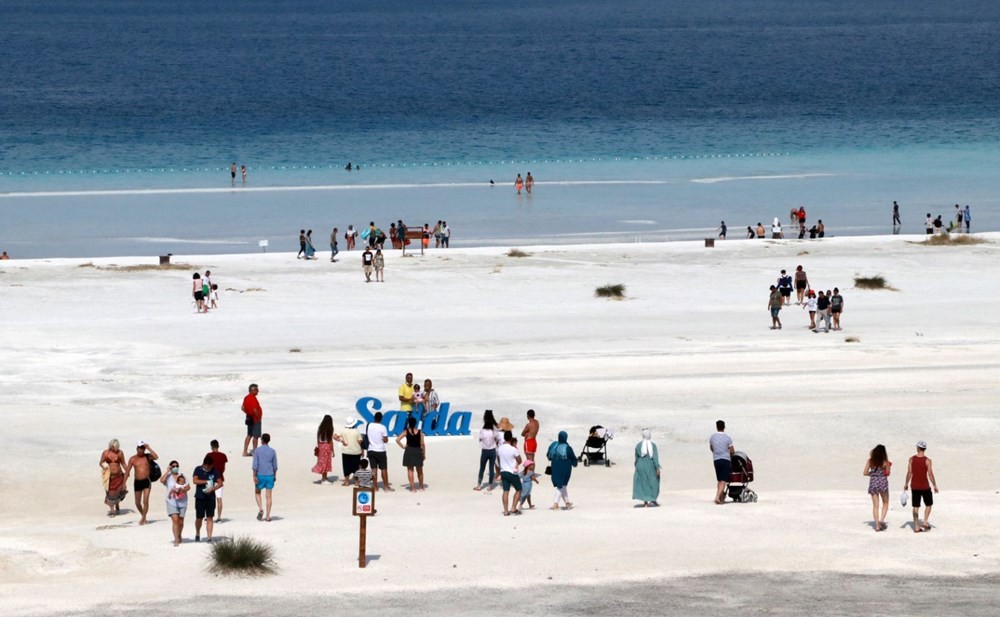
[95,353]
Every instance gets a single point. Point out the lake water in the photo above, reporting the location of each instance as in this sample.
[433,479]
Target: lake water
[648,120]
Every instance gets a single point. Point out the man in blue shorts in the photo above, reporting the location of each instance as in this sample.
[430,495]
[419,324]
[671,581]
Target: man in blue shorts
[722,454]
[265,468]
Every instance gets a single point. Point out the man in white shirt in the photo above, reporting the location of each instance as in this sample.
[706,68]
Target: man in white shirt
[722,454]
[378,436]
[508,459]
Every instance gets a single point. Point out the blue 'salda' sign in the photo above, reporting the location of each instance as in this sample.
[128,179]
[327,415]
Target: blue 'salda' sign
[439,422]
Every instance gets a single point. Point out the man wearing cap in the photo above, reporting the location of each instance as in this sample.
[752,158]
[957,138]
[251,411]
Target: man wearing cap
[350,453]
[920,479]
[251,407]
[140,463]
[530,433]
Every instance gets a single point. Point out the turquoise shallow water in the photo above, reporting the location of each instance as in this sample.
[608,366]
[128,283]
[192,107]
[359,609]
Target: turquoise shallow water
[640,119]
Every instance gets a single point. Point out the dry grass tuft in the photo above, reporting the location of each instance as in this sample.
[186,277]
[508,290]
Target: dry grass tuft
[516,252]
[614,292]
[242,555]
[871,282]
[294,350]
[954,240]
[852,339]
[801,253]
[139,268]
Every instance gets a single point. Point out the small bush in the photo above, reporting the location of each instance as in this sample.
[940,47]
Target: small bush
[870,282]
[852,339]
[616,292]
[516,252]
[953,240]
[242,555]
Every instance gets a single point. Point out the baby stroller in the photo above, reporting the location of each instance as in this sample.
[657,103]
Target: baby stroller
[741,476]
[595,451]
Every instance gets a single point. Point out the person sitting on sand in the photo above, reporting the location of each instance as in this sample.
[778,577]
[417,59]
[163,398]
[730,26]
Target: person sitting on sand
[877,470]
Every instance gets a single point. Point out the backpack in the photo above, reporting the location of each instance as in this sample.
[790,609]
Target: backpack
[154,470]
[364,439]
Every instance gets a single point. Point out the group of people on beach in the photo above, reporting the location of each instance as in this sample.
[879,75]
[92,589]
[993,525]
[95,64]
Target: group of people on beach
[824,306]
[797,220]
[207,480]
[232,173]
[523,184]
[920,481]
[363,452]
[204,291]
[936,227]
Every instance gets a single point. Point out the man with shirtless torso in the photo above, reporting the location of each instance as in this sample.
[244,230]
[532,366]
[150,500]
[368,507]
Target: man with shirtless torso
[529,433]
[141,484]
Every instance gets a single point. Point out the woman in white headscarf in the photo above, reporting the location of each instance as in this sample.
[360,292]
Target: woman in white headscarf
[646,480]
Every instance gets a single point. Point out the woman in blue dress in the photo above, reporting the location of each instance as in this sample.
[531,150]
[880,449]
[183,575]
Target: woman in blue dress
[646,479]
[563,460]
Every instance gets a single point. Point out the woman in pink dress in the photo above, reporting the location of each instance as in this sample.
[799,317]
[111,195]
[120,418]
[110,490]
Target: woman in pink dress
[324,448]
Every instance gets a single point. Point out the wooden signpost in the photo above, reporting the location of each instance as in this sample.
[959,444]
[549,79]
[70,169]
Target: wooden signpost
[363,506]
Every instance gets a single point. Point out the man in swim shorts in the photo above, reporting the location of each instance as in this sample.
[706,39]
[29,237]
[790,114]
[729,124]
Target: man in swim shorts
[265,470]
[530,433]
[722,457]
[801,284]
[785,287]
[140,463]
[920,478]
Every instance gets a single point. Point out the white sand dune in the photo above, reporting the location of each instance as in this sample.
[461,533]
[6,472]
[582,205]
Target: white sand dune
[99,353]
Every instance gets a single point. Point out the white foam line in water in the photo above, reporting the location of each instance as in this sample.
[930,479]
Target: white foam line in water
[776,177]
[319,187]
[183,241]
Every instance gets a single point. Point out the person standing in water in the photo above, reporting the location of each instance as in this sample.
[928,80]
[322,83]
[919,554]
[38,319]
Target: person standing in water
[232,172]
[529,182]
[243,172]
[519,184]
[895,215]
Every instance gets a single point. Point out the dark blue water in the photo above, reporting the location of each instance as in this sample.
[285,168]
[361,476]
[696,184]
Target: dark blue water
[128,85]
[854,103]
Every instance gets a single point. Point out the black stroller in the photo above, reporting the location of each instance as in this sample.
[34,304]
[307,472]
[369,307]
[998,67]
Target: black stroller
[739,478]
[595,450]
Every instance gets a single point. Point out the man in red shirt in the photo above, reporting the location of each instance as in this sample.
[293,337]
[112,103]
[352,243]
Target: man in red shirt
[219,460]
[254,414]
[920,477]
